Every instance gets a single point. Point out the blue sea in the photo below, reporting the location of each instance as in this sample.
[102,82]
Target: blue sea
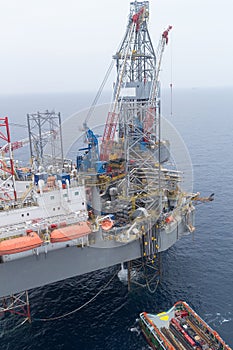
[197,269]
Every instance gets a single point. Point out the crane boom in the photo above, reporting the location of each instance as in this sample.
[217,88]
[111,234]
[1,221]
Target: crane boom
[149,121]
[160,51]
[24,142]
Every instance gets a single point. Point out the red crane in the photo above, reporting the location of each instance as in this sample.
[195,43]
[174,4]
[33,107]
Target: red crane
[6,137]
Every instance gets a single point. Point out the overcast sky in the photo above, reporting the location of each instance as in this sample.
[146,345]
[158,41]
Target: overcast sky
[66,46]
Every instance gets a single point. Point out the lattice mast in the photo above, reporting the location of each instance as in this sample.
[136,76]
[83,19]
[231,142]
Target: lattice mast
[140,60]
[135,63]
[7,148]
[137,81]
[45,139]
[132,130]
[136,91]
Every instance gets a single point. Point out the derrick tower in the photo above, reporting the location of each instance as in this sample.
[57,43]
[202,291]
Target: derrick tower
[135,109]
[131,131]
[136,65]
[135,60]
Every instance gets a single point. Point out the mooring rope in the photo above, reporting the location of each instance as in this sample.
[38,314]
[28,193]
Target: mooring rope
[6,332]
[80,307]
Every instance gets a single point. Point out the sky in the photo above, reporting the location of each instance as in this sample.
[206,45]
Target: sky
[67,46]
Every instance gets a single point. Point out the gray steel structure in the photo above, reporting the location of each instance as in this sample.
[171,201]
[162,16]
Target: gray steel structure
[55,265]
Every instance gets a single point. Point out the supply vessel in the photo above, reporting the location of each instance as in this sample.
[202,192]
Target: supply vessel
[121,200]
[179,328]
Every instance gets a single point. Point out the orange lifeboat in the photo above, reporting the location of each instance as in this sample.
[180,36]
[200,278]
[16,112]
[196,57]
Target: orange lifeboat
[68,233]
[20,244]
[107,224]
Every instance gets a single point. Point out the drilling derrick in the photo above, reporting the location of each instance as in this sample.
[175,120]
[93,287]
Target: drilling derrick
[135,64]
[131,130]
[135,109]
[139,64]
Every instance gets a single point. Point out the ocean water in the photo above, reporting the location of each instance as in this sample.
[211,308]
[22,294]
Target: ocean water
[198,268]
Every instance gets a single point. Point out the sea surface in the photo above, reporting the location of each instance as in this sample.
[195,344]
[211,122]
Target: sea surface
[197,269]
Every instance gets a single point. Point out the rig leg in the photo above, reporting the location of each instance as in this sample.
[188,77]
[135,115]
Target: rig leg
[17,304]
[28,308]
[129,275]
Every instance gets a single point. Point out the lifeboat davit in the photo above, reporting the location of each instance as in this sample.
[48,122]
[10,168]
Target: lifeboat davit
[20,244]
[68,233]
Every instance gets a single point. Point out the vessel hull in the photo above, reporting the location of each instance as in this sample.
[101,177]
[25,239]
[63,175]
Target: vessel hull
[38,270]
[178,328]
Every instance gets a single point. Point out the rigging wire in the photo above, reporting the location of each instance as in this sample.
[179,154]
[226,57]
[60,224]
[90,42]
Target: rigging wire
[93,105]
[171,83]
[91,109]
[19,125]
[13,329]
[149,281]
[152,291]
[80,307]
